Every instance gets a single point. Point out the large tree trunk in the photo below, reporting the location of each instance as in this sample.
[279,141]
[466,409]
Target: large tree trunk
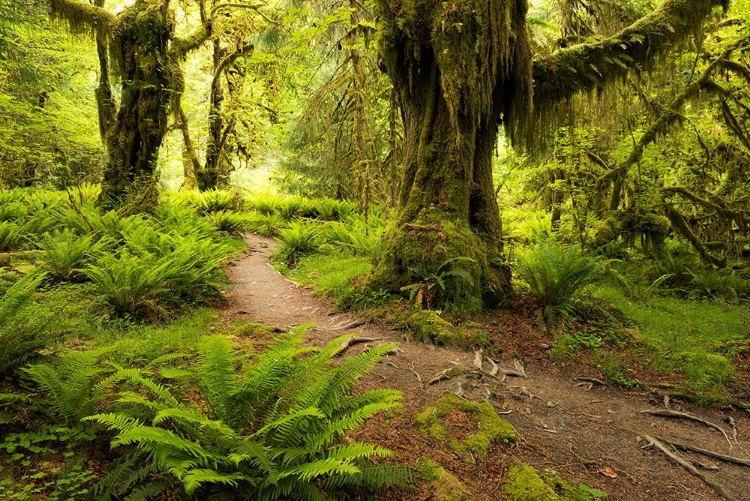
[458,69]
[141,36]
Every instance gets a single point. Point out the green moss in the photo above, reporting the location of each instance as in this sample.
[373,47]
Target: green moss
[428,469]
[429,327]
[523,483]
[446,487]
[491,429]
[446,257]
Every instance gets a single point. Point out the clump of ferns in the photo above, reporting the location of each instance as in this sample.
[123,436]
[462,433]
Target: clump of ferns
[273,433]
[557,276]
[426,291]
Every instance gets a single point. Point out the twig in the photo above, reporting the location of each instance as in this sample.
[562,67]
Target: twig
[685,415]
[419,378]
[714,484]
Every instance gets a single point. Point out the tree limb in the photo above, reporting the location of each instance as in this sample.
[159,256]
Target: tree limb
[82,17]
[587,67]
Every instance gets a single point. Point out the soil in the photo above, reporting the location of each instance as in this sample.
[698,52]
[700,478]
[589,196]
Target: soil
[587,435]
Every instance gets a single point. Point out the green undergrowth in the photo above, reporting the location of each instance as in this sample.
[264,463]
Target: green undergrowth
[699,339]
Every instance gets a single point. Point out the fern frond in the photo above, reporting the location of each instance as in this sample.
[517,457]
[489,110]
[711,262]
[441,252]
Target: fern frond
[217,376]
[320,468]
[197,477]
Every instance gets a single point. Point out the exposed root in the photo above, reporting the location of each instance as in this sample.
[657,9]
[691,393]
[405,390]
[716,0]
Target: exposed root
[589,382]
[349,342]
[478,359]
[350,325]
[519,370]
[714,484]
[707,453]
[685,415]
[730,420]
[493,372]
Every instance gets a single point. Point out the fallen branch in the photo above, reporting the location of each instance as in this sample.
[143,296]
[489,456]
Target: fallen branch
[714,484]
[349,342]
[685,415]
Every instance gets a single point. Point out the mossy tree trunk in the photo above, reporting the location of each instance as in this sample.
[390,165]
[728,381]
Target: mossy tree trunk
[460,69]
[457,69]
[140,42]
[138,47]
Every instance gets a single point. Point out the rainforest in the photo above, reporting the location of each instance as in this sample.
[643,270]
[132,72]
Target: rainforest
[375,249]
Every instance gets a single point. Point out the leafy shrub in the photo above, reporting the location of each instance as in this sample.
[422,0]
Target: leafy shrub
[273,434]
[296,241]
[556,274]
[22,333]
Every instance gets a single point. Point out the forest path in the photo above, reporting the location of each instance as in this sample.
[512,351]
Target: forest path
[586,435]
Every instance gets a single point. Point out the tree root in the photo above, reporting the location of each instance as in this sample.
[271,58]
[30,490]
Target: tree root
[707,453]
[685,415]
[714,484]
[589,382]
[349,342]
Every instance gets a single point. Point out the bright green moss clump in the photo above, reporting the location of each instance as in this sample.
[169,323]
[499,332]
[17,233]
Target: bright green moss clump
[523,483]
[430,328]
[491,429]
[446,487]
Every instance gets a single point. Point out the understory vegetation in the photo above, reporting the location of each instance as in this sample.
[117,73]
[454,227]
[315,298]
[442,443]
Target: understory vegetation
[605,226]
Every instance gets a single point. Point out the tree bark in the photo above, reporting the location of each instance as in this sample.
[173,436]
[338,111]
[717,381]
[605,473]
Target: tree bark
[454,81]
[459,69]
[140,44]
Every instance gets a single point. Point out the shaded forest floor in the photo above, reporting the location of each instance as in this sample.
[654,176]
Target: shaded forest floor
[587,435]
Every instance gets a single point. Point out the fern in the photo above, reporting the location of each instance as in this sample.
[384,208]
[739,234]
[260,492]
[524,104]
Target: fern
[22,335]
[556,274]
[65,254]
[265,436]
[74,384]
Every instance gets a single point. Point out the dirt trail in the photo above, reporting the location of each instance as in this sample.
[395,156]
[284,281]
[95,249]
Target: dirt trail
[586,435]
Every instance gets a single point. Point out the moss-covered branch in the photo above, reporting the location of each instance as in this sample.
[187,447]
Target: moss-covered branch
[182,45]
[670,116]
[587,67]
[81,17]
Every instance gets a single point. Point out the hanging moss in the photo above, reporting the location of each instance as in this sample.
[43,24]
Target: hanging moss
[81,18]
[590,66]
